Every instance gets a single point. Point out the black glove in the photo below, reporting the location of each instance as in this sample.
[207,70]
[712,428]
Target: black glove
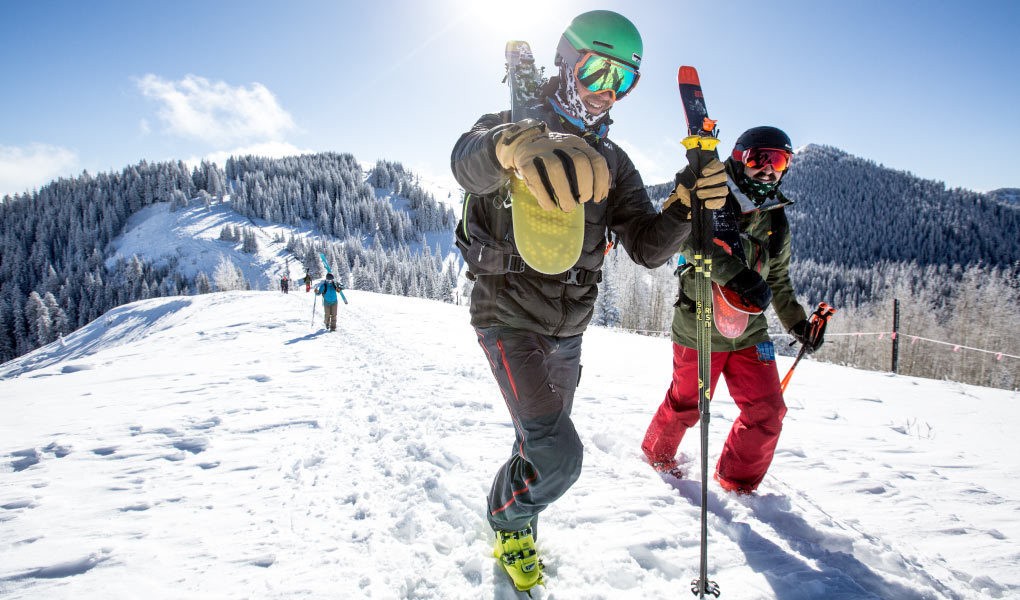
[811,337]
[752,289]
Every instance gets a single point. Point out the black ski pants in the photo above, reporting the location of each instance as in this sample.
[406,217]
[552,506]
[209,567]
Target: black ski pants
[537,375]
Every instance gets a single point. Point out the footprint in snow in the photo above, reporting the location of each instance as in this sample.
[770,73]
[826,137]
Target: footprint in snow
[206,424]
[194,445]
[77,367]
[57,450]
[66,569]
[25,459]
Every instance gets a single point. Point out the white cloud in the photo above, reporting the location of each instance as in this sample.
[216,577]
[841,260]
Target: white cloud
[268,149]
[216,112]
[24,168]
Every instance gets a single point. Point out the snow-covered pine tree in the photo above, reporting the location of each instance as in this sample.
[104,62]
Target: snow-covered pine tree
[228,276]
[38,320]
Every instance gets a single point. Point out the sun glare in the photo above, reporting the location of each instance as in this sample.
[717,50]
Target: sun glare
[518,19]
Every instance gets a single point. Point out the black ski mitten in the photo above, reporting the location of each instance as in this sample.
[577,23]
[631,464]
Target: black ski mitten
[751,288]
[811,337]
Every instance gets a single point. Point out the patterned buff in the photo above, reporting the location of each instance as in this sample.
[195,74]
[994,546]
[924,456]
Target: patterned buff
[758,191]
[567,102]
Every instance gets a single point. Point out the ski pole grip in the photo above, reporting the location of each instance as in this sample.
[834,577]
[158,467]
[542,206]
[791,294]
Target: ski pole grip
[696,160]
[701,149]
[700,152]
[704,145]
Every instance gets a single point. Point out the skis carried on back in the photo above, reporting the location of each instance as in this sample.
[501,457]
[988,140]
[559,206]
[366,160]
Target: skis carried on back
[701,143]
[339,286]
[315,298]
[549,240]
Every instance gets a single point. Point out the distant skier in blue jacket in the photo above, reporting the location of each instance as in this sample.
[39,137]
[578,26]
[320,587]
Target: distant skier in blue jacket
[331,291]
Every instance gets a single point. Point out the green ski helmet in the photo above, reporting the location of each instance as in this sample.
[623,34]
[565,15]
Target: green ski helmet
[602,31]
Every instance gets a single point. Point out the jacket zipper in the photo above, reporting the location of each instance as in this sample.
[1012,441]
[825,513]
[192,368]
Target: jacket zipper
[563,313]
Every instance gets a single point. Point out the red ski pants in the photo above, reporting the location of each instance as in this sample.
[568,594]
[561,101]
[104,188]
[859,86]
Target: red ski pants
[753,382]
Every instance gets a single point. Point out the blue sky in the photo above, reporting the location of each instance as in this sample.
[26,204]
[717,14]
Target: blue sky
[927,87]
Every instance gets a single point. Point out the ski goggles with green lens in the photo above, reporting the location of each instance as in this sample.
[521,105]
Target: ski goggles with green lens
[758,158]
[604,75]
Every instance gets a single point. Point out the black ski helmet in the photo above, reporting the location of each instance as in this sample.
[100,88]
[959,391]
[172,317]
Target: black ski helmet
[329,277]
[763,137]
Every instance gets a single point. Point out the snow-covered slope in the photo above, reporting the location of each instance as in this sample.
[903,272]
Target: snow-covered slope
[221,447]
[191,236]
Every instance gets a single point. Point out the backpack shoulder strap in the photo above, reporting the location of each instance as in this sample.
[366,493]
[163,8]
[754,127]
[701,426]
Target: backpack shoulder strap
[484,236]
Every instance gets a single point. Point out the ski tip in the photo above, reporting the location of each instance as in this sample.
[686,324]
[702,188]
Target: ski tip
[687,75]
[518,47]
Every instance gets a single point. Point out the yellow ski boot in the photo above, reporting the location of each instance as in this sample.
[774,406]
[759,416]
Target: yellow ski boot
[516,551]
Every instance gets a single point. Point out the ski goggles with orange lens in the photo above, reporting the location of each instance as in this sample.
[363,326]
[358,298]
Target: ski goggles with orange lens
[758,158]
[601,74]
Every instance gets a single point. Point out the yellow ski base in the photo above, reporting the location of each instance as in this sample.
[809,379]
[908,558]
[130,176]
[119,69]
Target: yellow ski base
[549,240]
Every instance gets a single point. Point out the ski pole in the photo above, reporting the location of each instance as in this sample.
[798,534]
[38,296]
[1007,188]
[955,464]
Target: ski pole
[701,145]
[315,301]
[819,319]
[789,374]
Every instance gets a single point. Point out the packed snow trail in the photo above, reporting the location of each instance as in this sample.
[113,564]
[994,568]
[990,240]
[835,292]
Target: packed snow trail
[215,446]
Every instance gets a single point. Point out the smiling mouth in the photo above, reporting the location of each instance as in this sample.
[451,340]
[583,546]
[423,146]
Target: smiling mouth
[596,104]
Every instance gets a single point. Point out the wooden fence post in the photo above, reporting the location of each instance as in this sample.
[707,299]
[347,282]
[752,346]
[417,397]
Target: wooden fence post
[896,335]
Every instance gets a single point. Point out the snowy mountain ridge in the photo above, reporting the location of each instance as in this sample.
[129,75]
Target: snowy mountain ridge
[224,446]
[190,237]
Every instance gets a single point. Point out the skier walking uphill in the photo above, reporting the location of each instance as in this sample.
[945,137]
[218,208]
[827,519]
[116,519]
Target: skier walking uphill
[284,284]
[308,283]
[530,324]
[330,291]
[751,259]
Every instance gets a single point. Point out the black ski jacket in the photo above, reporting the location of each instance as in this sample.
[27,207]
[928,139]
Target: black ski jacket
[506,291]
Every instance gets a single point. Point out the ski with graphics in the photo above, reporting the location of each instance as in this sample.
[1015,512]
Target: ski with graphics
[730,314]
[339,288]
[549,241]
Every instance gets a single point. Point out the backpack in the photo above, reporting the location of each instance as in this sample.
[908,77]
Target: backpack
[325,287]
[495,256]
